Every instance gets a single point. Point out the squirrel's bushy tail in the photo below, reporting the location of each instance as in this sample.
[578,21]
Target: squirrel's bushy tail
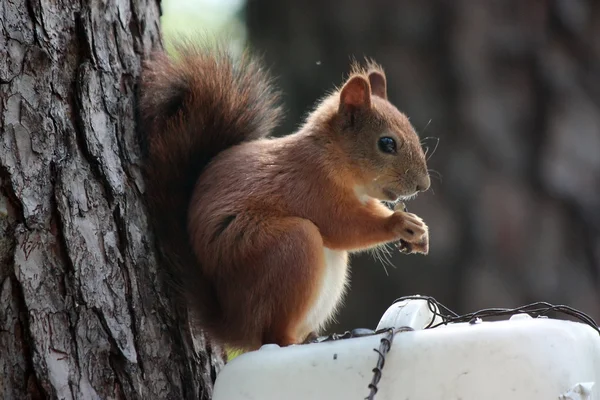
[194,105]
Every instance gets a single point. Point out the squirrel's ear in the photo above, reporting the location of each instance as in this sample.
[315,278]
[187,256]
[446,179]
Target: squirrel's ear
[378,84]
[356,94]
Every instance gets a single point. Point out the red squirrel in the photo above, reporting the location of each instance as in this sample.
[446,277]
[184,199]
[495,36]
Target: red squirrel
[256,230]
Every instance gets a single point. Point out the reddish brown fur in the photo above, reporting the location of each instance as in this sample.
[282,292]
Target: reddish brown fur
[266,214]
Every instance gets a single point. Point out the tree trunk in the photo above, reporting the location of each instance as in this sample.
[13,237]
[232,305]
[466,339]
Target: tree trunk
[511,89]
[83,311]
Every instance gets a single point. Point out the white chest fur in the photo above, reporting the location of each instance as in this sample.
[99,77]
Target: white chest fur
[333,286]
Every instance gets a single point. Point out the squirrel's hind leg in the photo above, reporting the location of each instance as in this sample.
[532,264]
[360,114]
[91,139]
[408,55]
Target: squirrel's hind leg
[284,262]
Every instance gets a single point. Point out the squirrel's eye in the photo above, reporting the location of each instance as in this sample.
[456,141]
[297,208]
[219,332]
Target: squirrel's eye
[387,145]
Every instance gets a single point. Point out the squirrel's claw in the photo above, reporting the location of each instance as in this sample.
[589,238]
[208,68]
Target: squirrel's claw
[421,246]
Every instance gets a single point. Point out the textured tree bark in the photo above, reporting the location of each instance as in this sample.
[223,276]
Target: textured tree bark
[511,89]
[83,311]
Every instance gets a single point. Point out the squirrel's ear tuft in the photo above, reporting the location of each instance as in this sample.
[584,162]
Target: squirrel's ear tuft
[356,94]
[378,84]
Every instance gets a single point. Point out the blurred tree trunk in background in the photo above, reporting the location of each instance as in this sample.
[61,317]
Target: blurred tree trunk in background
[83,314]
[511,89]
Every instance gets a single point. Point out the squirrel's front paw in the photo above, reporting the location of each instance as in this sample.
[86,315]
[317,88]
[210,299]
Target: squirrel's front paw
[412,232]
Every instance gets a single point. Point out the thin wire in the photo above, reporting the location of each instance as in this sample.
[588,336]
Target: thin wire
[537,309]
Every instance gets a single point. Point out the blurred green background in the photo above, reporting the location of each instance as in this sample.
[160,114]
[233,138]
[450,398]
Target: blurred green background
[512,90]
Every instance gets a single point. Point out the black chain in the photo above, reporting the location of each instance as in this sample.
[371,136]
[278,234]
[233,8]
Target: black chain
[355,333]
[384,346]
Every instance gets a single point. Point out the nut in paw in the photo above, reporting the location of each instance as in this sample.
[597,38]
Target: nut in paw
[414,234]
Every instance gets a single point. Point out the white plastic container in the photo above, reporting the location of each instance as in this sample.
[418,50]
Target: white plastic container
[520,359]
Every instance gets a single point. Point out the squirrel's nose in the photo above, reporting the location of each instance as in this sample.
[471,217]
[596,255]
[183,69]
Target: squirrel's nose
[423,183]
